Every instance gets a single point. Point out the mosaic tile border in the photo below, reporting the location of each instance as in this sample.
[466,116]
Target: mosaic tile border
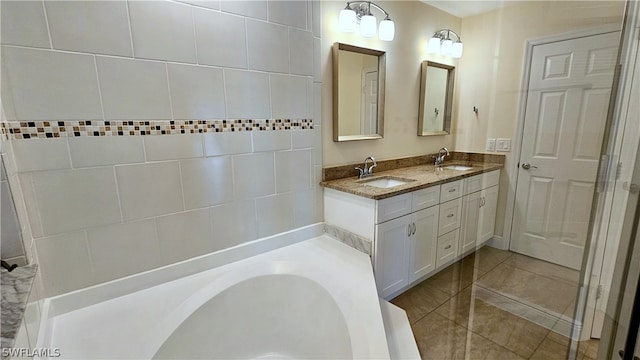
[17,130]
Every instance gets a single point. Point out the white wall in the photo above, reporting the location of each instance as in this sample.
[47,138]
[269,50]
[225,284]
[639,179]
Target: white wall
[490,70]
[415,23]
[99,208]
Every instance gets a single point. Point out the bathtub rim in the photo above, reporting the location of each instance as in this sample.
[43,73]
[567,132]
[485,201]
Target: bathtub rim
[81,298]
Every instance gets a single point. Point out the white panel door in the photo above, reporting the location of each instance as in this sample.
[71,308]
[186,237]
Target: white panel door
[567,101]
[369,101]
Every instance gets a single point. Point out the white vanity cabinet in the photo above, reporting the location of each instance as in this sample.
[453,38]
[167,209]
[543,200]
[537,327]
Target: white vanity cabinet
[418,233]
[479,206]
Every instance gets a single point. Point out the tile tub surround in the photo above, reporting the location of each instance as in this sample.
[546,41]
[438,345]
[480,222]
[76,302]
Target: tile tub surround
[347,171]
[422,176]
[136,100]
[15,289]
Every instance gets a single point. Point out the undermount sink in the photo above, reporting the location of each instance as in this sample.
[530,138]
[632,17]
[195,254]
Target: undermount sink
[458,167]
[386,182]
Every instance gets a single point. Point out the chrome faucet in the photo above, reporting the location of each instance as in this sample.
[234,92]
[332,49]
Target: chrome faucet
[367,171]
[441,155]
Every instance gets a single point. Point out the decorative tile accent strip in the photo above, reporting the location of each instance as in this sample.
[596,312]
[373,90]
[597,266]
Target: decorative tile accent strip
[55,129]
[355,241]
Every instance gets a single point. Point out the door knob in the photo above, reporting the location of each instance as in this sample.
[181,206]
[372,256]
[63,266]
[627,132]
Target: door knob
[528,166]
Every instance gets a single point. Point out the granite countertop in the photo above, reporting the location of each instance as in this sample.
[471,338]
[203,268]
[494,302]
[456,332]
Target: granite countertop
[421,176]
[15,289]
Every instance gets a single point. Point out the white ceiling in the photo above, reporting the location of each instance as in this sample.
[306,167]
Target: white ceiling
[464,8]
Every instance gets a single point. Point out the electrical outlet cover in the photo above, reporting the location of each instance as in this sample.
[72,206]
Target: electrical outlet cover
[491,144]
[503,145]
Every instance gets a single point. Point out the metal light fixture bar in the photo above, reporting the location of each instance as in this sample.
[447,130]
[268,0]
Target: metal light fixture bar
[441,43]
[360,11]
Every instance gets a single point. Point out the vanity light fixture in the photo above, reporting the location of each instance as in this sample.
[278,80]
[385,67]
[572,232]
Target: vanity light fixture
[441,43]
[360,11]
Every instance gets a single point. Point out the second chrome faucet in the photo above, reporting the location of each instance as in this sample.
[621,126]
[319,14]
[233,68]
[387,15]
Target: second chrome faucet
[365,171]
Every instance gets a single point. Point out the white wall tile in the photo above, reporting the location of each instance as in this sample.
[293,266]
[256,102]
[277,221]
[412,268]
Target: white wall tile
[133,89]
[41,154]
[23,23]
[268,46]
[107,245]
[290,96]
[185,235]
[253,175]
[142,195]
[227,143]
[49,85]
[275,214]
[33,213]
[316,18]
[247,94]
[105,150]
[302,139]
[11,244]
[291,13]
[162,30]
[76,199]
[99,27]
[254,9]
[316,152]
[308,207]
[171,147]
[317,104]
[301,57]
[216,31]
[234,224]
[207,182]
[64,263]
[293,170]
[317,60]
[197,92]
[271,140]
[210,4]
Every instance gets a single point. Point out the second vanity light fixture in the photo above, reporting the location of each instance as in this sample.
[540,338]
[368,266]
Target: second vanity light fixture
[360,11]
[441,43]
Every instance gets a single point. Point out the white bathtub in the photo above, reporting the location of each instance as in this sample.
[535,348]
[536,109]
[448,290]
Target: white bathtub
[314,299]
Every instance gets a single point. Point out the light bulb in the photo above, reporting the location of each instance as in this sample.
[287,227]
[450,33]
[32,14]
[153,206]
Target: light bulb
[347,21]
[447,47]
[434,45]
[368,26]
[456,52]
[387,30]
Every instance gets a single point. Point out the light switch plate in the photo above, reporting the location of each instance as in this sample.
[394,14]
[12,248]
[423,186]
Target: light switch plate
[503,145]
[491,144]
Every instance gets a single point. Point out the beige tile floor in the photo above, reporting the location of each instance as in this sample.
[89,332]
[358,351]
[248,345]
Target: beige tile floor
[450,322]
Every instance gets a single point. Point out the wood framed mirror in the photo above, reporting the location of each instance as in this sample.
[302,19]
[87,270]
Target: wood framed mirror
[436,97]
[358,92]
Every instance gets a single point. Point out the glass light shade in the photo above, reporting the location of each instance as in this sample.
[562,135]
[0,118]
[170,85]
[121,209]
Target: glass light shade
[387,30]
[434,45]
[456,52]
[347,21]
[447,47]
[368,26]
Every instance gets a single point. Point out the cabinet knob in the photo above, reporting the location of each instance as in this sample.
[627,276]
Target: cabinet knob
[452,190]
[447,247]
[450,215]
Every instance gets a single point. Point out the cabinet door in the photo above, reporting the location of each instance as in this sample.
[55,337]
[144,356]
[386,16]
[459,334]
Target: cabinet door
[423,243]
[487,218]
[450,213]
[390,257]
[469,227]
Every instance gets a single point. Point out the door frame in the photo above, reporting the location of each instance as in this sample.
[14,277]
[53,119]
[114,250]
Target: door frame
[513,168]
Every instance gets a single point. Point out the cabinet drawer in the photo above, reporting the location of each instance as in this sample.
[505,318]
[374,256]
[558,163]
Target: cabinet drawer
[451,190]
[482,181]
[450,213]
[447,248]
[393,207]
[425,198]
